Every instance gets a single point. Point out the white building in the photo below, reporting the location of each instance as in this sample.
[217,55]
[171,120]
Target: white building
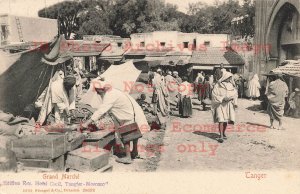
[177,41]
[18,29]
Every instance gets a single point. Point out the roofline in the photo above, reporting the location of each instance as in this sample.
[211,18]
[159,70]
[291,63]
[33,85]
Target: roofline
[21,16]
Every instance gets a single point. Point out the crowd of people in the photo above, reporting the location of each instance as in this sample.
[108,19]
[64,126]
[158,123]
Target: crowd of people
[172,94]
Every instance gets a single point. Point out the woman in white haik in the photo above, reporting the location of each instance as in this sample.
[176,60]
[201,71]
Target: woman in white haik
[253,88]
[224,103]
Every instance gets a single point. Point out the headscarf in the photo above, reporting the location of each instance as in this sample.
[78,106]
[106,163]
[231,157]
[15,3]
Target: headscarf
[255,77]
[198,77]
[58,75]
[225,76]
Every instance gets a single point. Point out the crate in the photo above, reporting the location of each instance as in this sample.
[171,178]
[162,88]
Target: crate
[87,159]
[43,147]
[57,164]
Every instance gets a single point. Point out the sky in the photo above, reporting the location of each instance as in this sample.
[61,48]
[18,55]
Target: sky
[30,8]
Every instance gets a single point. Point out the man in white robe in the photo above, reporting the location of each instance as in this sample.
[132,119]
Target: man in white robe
[224,103]
[124,110]
[63,94]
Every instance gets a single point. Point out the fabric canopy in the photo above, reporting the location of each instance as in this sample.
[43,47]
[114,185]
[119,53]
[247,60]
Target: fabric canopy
[122,77]
[291,67]
[25,75]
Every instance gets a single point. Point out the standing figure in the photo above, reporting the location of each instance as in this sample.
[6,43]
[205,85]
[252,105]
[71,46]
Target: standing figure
[240,83]
[294,102]
[199,79]
[277,91]
[63,94]
[150,77]
[176,76]
[185,98]
[172,86]
[160,97]
[253,88]
[224,103]
[206,93]
[77,75]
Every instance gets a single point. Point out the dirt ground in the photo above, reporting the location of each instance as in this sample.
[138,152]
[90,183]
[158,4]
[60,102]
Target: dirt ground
[190,144]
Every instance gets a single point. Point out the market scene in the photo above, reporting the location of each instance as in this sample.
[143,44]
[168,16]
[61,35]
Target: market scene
[146,95]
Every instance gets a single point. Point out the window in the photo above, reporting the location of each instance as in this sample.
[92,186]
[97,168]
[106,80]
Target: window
[120,44]
[4,32]
[162,44]
[185,44]
[207,43]
[142,44]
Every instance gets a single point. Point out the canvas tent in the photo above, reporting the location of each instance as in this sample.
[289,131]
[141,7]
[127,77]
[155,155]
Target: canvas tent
[121,77]
[25,75]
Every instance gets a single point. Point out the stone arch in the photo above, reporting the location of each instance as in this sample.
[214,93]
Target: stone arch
[280,12]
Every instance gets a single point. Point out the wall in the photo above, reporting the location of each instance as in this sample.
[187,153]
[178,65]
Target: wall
[175,40]
[33,29]
[273,41]
[216,40]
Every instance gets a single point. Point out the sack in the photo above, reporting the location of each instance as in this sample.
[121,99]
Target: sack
[129,132]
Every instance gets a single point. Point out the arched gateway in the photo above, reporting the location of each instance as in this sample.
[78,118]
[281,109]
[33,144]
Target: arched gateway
[277,33]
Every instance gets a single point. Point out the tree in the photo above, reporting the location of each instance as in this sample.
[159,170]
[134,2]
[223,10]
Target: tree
[248,28]
[66,13]
[95,17]
[195,8]
[135,16]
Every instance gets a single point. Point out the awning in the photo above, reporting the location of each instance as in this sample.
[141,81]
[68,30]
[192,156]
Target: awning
[291,67]
[148,59]
[176,60]
[79,48]
[203,67]
[216,56]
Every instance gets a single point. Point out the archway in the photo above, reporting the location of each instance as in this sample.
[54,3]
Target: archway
[283,34]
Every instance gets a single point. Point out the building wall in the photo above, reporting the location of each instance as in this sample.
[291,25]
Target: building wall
[214,40]
[277,33]
[33,29]
[178,40]
[117,46]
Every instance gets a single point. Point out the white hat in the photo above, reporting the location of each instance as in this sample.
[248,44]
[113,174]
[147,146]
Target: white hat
[297,89]
[175,72]
[158,70]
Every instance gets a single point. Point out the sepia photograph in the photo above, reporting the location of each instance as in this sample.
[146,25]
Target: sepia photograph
[149,96]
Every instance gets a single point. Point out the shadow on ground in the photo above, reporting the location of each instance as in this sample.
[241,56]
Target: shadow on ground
[256,124]
[212,136]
